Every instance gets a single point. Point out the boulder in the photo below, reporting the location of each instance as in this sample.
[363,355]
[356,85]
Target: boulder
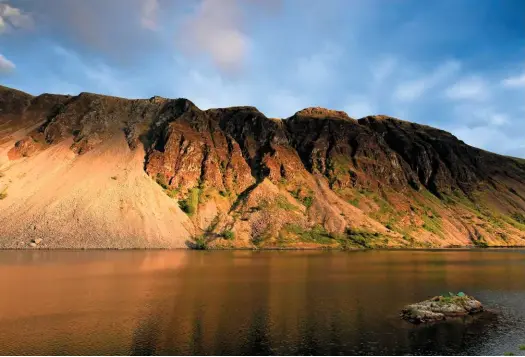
[440,308]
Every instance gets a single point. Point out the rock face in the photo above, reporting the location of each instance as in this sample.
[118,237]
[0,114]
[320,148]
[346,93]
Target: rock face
[99,171]
[440,308]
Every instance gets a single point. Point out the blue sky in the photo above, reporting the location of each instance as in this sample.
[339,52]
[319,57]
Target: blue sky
[455,64]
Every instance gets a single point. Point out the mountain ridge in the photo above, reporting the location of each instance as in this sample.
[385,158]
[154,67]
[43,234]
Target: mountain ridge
[316,179]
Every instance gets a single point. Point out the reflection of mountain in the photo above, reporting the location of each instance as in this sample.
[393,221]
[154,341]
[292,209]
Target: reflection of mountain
[212,294]
[314,303]
[146,335]
[243,302]
[71,302]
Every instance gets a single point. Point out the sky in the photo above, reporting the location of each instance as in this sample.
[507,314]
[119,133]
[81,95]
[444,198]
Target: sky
[458,65]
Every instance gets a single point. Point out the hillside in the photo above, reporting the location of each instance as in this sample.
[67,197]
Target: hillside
[93,171]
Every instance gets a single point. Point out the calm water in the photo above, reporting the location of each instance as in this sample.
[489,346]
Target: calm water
[243,302]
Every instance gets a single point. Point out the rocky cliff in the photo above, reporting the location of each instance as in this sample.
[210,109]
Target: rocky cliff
[94,171]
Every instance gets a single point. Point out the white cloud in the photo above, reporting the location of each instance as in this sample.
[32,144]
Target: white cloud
[514,82]
[6,66]
[13,18]
[411,90]
[487,116]
[216,29]
[471,88]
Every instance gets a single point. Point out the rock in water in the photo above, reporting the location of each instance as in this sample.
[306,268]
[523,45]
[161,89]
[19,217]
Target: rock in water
[441,307]
[32,244]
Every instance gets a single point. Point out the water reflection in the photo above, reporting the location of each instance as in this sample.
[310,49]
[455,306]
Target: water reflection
[242,302]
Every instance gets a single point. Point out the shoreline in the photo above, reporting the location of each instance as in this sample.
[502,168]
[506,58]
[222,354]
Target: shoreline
[473,248]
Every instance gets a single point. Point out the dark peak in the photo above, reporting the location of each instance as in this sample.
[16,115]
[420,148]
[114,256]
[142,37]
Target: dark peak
[236,109]
[319,112]
[50,95]
[171,109]
[13,101]
[245,108]
[177,106]
[184,102]
[47,100]
[157,99]
[89,95]
[380,117]
[385,120]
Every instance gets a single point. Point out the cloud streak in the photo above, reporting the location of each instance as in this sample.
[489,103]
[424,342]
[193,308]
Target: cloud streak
[414,89]
[471,88]
[6,66]
[515,82]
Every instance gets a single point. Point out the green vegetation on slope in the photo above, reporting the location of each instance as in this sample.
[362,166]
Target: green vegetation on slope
[228,234]
[306,199]
[190,204]
[350,239]
[358,238]
[283,203]
[161,180]
[315,235]
[433,225]
[200,243]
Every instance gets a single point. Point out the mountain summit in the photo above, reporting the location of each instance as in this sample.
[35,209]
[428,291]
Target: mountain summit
[94,171]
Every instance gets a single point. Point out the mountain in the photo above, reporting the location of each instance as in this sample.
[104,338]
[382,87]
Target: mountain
[94,171]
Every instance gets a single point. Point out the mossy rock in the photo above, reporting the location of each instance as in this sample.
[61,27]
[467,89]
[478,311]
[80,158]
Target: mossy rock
[440,308]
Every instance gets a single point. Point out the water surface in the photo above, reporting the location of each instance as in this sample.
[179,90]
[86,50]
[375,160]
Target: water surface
[244,302]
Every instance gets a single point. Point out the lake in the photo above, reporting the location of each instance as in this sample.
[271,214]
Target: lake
[255,302]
